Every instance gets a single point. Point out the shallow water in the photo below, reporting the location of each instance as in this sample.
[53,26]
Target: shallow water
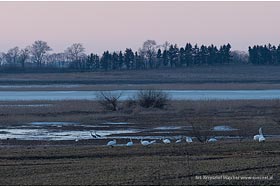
[167,128]
[41,130]
[53,131]
[224,128]
[45,130]
[45,134]
[126,94]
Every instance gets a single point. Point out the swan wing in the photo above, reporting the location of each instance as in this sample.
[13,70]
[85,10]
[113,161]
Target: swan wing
[261,139]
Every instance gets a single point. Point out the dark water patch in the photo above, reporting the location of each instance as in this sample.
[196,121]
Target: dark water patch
[4,132]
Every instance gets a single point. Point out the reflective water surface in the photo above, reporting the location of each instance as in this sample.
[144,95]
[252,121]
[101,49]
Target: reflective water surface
[126,94]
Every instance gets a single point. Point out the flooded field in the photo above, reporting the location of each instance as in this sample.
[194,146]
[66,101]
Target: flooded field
[76,121]
[58,131]
[75,131]
[52,138]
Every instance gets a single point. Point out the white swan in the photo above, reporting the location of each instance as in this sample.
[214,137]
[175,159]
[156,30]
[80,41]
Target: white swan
[145,142]
[189,139]
[112,143]
[212,140]
[166,141]
[178,141]
[130,143]
[259,137]
[153,141]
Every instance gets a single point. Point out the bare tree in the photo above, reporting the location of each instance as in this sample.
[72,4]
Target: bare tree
[57,60]
[2,58]
[240,57]
[12,56]
[75,53]
[109,101]
[39,50]
[24,54]
[149,51]
[166,45]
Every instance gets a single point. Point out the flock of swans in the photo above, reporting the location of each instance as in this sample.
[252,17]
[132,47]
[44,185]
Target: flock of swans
[147,143]
[259,137]
[142,142]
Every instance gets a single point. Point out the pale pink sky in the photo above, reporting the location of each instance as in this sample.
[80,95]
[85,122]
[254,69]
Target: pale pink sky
[117,25]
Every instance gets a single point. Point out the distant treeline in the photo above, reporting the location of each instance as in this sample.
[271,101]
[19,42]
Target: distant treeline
[149,56]
[172,56]
[266,54]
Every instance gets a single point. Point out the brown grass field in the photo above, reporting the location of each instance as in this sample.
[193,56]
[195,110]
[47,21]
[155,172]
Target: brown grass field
[205,77]
[157,165]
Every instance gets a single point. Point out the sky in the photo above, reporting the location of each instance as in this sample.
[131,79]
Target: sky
[114,26]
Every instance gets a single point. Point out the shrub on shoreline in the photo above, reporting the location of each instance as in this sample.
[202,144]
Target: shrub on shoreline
[152,99]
